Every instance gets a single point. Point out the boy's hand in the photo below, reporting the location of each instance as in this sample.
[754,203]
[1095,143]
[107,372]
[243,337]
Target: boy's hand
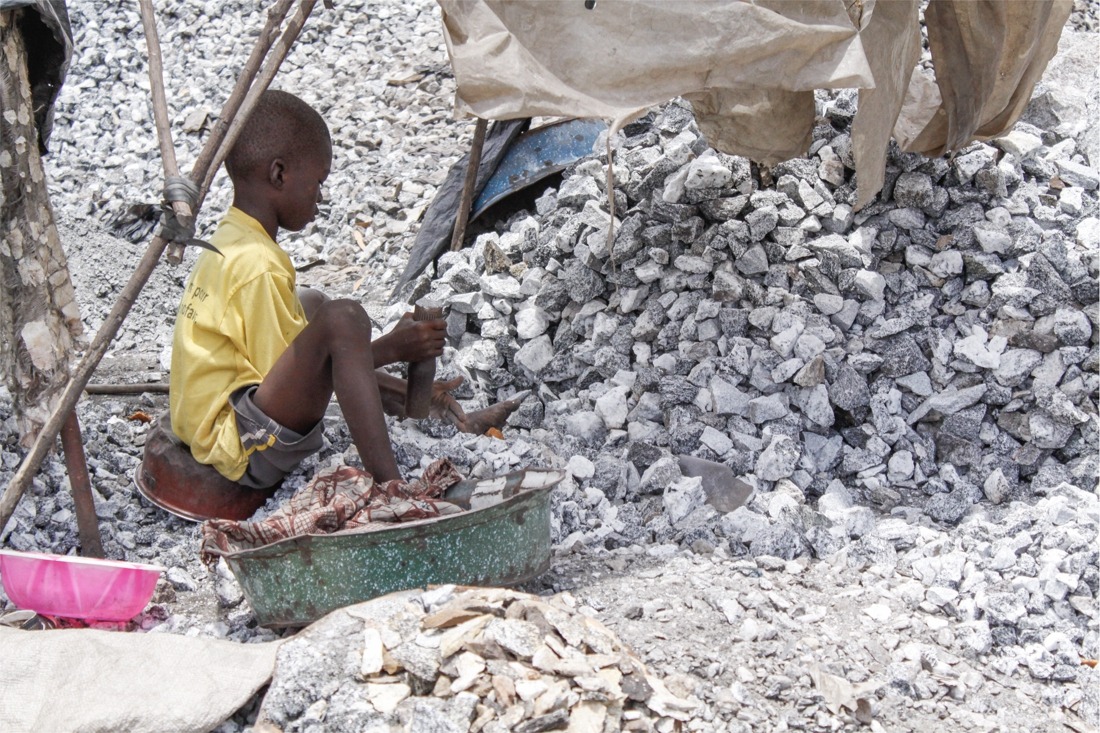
[444,406]
[411,341]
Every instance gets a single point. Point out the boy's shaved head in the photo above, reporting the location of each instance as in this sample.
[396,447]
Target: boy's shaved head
[280,126]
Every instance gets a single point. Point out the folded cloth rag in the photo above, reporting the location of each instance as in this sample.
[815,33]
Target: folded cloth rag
[342,498]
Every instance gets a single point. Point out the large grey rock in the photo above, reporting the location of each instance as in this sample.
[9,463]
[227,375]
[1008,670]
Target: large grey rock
[1019,143]
[531,321]
[1047,432]
[752,262]
[969,164]
[778,540]
[947,263]
[743,525]
[577,191]
[870,284]
[536,354]
[778,460]
[847,254]
[587,426]
[950,507]
[612,407]
[717,441]
[581,282]
[683,497]
[727,399]
[660,475]
[707,171]
[849,390]
[948,402]
[913,189]
[1072,327]
[814,403]
[1016,366]
[1076,174]
[992,240]
[771,407]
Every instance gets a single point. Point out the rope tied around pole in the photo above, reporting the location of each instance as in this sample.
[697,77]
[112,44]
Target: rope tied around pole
[174,227]
[180,188]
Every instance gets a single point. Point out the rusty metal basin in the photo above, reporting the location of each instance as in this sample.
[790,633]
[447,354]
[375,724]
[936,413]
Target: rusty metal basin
[298,580]
[171,479]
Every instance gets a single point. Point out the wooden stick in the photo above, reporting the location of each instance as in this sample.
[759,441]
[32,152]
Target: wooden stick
[83,372]
[267,73]
[467,201]
[160,118]
[156,82]
[124,389]
[87,524]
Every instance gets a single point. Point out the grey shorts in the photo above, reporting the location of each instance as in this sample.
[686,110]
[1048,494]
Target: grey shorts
[273,450]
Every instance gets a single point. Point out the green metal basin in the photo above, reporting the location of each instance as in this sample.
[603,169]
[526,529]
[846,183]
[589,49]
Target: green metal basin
[298,580]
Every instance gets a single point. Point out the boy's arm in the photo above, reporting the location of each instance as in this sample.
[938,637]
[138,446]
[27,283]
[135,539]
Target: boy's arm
[410,340]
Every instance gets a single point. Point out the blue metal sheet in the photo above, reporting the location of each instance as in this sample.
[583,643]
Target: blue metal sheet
[537,154]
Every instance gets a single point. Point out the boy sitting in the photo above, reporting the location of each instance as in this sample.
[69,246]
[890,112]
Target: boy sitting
[255,361]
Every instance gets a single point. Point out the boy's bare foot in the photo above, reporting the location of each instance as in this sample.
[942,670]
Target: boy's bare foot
[493,416]
[446,407]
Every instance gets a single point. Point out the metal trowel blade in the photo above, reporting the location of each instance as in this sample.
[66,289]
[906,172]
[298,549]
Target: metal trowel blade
[725,492]
[480,493]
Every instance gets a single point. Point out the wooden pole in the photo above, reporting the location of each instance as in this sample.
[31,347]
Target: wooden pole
[467,201]
[160,118]
[87,524]
[124,389]
[67,402]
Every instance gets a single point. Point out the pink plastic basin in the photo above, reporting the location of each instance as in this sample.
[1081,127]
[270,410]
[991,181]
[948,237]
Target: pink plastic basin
[77,587]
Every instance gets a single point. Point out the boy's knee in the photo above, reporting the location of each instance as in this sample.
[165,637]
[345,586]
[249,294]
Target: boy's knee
[311,300]
[344,318]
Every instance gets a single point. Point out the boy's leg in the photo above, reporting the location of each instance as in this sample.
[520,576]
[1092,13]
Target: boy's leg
[332,354]
[445,407]
[311,300]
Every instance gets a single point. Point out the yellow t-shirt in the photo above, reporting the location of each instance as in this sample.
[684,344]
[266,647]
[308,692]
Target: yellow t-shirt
[238,314]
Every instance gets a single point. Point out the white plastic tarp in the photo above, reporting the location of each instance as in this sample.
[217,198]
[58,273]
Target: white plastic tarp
[750,67]
[96,681]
